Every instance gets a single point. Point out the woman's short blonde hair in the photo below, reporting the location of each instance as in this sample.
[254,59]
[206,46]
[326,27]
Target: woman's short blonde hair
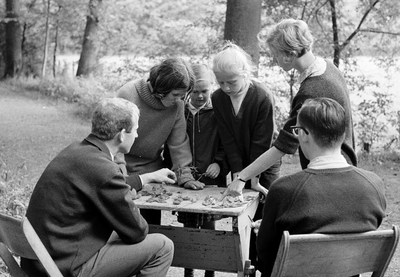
[233,59]
[291,37]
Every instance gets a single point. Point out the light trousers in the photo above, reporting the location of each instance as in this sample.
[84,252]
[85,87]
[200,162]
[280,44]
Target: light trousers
[150,257]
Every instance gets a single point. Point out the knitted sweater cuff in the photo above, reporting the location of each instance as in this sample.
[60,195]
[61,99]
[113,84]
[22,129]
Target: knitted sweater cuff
[286,142]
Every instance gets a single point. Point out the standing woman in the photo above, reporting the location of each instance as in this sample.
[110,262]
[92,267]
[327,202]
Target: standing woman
[162,121]
[290,43]
[244,110]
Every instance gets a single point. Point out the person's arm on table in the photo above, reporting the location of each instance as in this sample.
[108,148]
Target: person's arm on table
[265,161]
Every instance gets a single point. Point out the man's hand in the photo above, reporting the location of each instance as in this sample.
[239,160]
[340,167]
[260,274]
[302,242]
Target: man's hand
[162,175]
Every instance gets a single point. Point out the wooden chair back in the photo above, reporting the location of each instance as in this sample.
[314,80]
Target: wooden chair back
[39,249]
[336,255]
[19,238]
[13,241]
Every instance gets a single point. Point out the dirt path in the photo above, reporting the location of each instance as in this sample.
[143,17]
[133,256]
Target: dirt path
[27,120]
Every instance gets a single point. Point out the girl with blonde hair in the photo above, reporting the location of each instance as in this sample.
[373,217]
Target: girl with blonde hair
[244,110]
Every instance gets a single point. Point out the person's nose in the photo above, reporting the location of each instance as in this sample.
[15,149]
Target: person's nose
[225,87]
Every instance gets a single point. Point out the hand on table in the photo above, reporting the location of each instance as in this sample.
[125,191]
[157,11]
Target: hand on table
[186,179]
[194,185]
[235,189]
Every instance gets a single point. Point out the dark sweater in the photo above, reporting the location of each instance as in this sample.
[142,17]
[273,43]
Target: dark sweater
[330,84]
[205,144]
[248,134]
[342,200]
[80,199]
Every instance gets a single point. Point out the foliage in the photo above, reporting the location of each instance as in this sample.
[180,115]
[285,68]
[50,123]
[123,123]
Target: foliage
[15,190]
[362,28]
[374,117]
[155,29]
[373,106]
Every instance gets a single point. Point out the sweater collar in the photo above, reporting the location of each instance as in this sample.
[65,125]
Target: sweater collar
[144,91]
[317,68]
[331,161]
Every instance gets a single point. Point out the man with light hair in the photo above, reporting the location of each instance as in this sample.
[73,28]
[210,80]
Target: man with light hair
[82,207]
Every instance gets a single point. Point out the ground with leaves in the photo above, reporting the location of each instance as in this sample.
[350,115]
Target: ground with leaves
[34,130]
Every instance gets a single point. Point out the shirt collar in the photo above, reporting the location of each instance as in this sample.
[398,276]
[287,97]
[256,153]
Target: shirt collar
[330,161]
[194,109]
[317,68]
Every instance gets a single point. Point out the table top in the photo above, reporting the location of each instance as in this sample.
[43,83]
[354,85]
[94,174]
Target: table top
[185,200]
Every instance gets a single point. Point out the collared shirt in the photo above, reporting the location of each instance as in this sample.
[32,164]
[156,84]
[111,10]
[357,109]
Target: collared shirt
[317,68]
[330,161]
[193,110]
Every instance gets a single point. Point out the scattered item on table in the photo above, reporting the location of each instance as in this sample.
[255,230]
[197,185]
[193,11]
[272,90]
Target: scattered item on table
[180,198]
[158,193]
[210,200]
[227,202]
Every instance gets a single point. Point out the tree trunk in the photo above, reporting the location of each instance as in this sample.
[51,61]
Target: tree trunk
[242,25]
[56,41]
[337,49]
[13,51]
[46,40]
[90,46]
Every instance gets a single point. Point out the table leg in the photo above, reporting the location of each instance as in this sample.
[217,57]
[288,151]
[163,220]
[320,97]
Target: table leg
[241,225]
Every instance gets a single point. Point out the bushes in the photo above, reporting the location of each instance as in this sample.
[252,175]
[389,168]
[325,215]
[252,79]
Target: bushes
[376,124]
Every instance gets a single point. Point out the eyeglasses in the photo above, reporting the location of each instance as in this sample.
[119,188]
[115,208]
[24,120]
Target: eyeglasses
[295,130]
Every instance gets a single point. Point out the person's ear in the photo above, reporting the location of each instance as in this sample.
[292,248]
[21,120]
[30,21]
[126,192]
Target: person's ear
[121,136]
[289,58]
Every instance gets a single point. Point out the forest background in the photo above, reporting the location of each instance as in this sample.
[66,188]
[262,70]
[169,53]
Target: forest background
[45,44]
[80,51]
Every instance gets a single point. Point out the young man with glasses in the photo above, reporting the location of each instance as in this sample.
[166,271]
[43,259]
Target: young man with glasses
[329,196]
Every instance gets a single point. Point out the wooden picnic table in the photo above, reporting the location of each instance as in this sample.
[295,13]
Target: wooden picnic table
[217,250]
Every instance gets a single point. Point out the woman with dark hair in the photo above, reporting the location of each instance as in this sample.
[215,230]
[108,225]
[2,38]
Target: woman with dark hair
[162,122]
